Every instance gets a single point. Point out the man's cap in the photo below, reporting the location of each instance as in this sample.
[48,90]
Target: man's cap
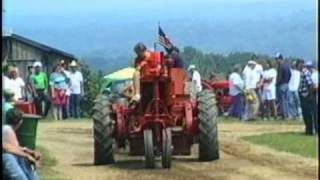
[279,56]
[139,47]
[12,69]
[252,62]
[192,66]
[37,64]
[309,64]
[73,64]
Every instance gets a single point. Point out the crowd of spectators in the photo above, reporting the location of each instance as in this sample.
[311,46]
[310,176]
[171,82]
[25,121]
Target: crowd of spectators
[61,90]
[278,89]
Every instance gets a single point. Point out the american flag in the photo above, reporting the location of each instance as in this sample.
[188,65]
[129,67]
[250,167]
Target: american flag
[163,40]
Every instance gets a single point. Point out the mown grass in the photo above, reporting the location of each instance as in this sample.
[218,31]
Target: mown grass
[46,171]
[293,142]
[227,120]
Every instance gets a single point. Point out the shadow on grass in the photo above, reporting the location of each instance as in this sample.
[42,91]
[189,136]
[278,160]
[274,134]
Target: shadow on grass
[121,164]
[85,164]
[136,164]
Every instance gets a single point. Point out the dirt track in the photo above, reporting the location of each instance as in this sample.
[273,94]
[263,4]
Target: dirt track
[71,144]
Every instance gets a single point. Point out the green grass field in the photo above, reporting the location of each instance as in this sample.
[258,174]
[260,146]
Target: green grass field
[227,120]
[297,143]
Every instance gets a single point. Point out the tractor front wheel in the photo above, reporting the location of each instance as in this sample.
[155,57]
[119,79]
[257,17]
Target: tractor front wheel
[103,140]
[166,148]
[208,137]
[148,149]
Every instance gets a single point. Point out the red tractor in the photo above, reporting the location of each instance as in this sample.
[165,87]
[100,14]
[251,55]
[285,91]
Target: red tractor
[221,90]
[165,122]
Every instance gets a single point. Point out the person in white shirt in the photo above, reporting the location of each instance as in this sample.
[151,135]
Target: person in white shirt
[196,78]
[15,83]
[269,91]
[251,80]
[293,85]
[236,86]
[259,70]
[76,89]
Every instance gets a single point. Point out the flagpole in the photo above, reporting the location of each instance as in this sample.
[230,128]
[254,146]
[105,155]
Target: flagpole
[155,44]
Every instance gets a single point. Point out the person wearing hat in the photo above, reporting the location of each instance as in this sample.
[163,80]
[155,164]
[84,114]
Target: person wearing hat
[76,89]
[143,55]
[308,100]
[283,78]
[251,79]
[41,85]
[195,78]
[314,73]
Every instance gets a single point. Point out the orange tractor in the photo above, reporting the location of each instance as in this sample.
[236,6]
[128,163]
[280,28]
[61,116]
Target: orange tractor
[165,122]
[221,90]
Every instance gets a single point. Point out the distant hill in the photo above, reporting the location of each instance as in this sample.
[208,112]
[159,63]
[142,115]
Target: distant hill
[105,40]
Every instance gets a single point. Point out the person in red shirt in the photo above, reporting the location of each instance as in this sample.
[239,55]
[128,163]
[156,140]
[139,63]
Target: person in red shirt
[142,56]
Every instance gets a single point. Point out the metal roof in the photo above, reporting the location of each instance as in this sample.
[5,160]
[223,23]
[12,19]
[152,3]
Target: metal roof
[38,45]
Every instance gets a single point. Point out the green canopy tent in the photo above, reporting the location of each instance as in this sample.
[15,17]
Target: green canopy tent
[118,77]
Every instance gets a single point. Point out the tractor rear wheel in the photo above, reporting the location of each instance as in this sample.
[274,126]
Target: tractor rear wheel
[208,137]
[166,148]
[103,140]
[148,149]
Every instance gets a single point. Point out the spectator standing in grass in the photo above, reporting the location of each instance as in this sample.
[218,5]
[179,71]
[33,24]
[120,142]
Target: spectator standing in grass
[58,86]
[30,89]
[18,162]
[269,91]
[314,77]
[77,89]
[195,78]
[294,101]
[66,108]
[315,81]
[308,100]
[236,92]
[283,78]
[15,83]
[41,85]
[251,79]
[259,73]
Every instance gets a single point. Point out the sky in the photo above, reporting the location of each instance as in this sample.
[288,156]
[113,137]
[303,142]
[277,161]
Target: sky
[34,18]
[65,7]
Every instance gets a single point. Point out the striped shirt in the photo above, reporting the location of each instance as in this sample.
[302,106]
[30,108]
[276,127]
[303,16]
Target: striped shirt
[305,83]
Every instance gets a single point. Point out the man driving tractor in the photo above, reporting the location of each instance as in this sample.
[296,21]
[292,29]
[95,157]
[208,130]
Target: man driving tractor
[143,56]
